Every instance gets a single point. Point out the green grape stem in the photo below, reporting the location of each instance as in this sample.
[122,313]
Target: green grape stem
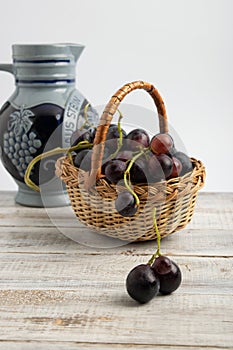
[58,150]
[86,121]
[120,139]
[157,253]
[127,175]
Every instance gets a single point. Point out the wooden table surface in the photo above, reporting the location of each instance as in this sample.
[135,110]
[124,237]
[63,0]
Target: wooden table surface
[58,294]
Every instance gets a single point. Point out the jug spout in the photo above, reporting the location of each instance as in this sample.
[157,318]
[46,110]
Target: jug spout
[76,50]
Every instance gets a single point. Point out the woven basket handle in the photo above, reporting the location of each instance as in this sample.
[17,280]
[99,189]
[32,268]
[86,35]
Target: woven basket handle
[106,119]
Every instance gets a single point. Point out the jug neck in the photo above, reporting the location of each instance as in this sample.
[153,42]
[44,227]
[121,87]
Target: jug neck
[44,73]
[45,64]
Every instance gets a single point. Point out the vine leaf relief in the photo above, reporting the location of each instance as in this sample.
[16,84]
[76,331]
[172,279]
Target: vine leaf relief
[20,122]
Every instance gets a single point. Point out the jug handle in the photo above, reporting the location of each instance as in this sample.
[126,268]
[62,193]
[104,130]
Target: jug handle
[7,68]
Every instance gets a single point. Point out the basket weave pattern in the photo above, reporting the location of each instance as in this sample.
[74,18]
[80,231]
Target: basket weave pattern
[93,198]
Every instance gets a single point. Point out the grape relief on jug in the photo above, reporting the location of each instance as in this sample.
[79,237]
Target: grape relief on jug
[20,144]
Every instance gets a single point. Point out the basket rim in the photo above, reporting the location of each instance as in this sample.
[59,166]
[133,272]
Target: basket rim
[69,174]
[106,118]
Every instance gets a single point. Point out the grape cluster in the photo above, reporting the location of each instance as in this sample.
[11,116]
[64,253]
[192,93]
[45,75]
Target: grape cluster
[142,159]
[146,281]
[20,149]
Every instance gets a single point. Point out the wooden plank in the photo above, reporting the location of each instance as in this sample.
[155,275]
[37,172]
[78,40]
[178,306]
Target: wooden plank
[212,212]
[63,217]
[41,240]
[7,199]
[53,345]
[220,200]
[56,271]
[55,293]
[110,316]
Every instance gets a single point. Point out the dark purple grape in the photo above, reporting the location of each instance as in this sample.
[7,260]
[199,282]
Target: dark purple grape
[125,155]
[176,168]
[114,170]
[166,164]
[79,157]
[161,143]
[140,138]
[142,284]
[139,170]
[155,170]
[171,152]
[185,161]
[113,132]
[83,159]
[168,273]
[125,204]
[113,136]
[81,135]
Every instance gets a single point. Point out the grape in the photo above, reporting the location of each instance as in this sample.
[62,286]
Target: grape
[11,141]
[171,152]
[176,169]
[85,160]
[114,170]
[166,164]
[125,155]
[113,132]
[155,170]
[113,136]
[81,135]
[161,143]
[28,159]
[79,157]
[142,283]
[17,147]
[185,161]
[24,138]
[139,170]
[140,138]
[21,152]
[32,150]
[125,204]
[105,159]
[168,273]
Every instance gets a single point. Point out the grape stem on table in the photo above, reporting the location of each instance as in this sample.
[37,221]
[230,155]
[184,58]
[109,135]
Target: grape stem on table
[157,253]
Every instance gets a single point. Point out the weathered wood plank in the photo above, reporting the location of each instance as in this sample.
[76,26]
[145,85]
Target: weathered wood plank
[41,240]
[33,271]
[29,217]
[111,317]
[208,215]
[38,345]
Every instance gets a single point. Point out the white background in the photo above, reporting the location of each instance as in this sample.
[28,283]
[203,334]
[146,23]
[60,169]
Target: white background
[183,47]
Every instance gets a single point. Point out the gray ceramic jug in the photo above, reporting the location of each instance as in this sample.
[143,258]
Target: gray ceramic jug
[42,113]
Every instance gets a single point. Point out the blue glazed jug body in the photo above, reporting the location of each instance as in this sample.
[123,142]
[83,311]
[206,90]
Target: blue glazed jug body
[42,113]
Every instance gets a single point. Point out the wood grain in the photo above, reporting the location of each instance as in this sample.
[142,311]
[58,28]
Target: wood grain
[55,293]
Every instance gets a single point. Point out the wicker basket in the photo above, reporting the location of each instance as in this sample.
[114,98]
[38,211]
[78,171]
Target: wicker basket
[93,198]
